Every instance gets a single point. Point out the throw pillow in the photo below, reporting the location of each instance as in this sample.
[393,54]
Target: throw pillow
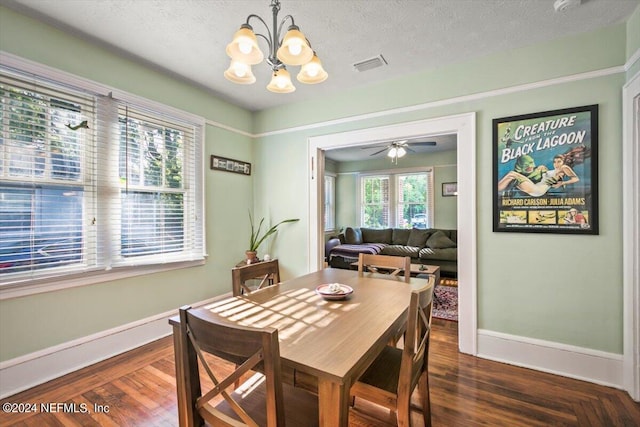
[439,240]
[400,236]
[418,238]
[353,236]
[374,235]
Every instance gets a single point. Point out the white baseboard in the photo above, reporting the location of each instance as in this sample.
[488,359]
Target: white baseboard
[569,361]
[36,368]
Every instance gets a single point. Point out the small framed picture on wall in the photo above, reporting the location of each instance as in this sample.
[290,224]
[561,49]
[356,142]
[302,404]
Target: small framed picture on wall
[449,189]
[230,165]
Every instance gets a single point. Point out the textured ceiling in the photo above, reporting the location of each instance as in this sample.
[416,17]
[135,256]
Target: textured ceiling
[187,38]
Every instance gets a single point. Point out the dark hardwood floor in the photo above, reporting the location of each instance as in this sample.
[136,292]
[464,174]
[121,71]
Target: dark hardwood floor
[138,389]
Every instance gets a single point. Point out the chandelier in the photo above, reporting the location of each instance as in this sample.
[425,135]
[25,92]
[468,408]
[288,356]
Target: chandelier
[293,49]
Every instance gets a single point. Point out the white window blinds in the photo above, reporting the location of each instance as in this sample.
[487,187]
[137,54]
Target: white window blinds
[88,182]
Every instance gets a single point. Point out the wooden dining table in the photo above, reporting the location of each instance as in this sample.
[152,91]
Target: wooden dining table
[325,345]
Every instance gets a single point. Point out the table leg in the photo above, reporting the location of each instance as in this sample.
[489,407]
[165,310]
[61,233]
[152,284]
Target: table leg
[333,399]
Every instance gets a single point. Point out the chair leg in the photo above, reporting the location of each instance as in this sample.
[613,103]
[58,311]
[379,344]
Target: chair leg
[426,401]
[403,411]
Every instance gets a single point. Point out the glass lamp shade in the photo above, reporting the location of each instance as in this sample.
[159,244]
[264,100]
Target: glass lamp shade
[244,47]
[401,152]
[294,49]
[392,152]
[281,82]
[312,72]
[240,73]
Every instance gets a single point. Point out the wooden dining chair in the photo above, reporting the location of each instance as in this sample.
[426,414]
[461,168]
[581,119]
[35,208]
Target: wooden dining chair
[268,272]
[261,400]
[384,263]
[394,375]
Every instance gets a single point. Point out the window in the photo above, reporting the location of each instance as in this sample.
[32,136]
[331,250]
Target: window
[375,202]
[403,200]
[89,182]
[329,202]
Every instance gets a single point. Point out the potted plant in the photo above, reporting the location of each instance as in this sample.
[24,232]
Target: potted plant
[256,238]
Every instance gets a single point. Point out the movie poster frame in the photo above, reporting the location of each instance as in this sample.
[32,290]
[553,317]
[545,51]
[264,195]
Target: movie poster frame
[550,211]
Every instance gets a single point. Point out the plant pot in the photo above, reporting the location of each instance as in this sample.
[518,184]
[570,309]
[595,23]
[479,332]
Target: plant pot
[252,257]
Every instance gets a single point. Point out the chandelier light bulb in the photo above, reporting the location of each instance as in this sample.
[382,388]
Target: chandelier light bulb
[281,82]
[245,46]
[295,47]
[240,73]
[312,72]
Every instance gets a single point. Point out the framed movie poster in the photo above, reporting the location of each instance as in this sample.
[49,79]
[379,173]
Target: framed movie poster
[545,172]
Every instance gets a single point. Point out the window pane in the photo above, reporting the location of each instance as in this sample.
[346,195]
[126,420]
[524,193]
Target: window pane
[40,228]
[150,154]
[152,223]
[375,197]
[412,201]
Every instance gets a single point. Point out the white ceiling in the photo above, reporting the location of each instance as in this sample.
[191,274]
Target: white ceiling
[187,38]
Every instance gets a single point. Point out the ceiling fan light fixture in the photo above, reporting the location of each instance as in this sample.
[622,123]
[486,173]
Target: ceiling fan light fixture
[401,152]
[281,82]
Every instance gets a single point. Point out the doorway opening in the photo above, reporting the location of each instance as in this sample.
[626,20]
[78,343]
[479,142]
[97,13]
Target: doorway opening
[463,126]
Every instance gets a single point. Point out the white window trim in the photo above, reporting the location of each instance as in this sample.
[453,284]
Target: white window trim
[393,201]
[21,289]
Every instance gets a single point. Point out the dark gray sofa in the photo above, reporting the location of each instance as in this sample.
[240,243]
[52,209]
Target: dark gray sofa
[431,246]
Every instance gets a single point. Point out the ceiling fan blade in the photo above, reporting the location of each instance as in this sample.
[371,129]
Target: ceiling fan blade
[378,152]
[423,143]
[374,146]
[406,147]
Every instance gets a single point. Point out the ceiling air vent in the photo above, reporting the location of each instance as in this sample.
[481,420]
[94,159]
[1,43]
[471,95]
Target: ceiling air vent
[369,64]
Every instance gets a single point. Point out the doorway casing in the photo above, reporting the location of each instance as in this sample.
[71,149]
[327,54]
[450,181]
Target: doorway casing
[464,126]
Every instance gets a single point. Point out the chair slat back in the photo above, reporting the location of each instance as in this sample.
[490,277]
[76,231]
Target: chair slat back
[373,263]
[416,346]
[251,349]
[267,271]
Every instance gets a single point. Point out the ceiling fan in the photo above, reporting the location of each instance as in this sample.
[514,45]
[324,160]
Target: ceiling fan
[397,149]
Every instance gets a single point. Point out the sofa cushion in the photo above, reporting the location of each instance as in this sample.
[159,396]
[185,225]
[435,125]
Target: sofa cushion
[352,236]
[449,254]
[401,250]
[439,240]
[418,238]
[400,236]
[373,235]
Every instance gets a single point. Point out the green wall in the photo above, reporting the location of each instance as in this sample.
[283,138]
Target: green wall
[633,42]
[530,285]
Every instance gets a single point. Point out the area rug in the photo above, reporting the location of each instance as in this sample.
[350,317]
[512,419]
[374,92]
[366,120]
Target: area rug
[446,303]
